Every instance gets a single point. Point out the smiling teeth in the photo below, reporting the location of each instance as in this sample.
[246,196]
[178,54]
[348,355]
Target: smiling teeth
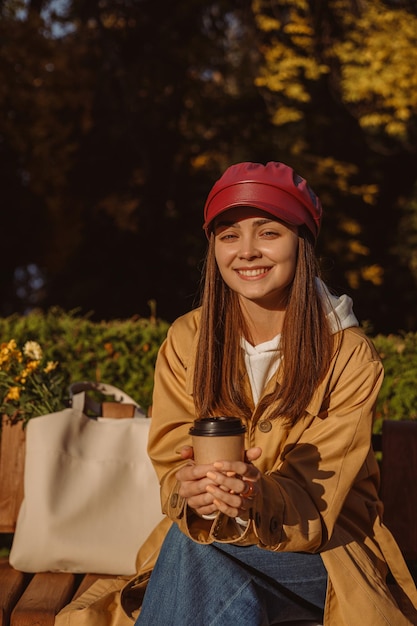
[252,272]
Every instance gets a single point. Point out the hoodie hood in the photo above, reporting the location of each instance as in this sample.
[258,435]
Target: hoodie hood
[339,309]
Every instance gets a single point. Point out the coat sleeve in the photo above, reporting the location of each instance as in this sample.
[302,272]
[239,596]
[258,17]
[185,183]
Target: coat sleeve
[172,416]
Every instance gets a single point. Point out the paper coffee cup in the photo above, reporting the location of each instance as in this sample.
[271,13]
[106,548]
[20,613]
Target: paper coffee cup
[218,439]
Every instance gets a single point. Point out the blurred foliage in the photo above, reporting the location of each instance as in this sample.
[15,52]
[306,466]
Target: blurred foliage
[398,396]
[342,87]
[377,79]
[116,117]
[350,43]
[119,352]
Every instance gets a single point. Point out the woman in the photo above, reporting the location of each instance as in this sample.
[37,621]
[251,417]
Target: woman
[295,531]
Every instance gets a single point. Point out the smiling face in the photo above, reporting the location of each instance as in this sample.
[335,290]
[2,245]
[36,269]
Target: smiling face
[256,255]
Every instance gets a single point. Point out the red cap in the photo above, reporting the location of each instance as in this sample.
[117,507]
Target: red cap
[274,188]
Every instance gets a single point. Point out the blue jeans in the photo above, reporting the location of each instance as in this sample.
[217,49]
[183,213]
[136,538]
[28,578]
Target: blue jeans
[224,584]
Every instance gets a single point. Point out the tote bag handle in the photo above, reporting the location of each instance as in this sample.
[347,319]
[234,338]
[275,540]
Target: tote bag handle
[79,400]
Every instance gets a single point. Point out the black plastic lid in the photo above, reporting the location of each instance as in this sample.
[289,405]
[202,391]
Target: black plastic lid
[217,426]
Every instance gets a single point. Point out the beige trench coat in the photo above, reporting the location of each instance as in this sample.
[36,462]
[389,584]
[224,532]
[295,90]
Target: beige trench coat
[318,489]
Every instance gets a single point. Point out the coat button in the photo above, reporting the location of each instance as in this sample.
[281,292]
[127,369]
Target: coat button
[265,426]
[273,525]
[173,500]
[257,519]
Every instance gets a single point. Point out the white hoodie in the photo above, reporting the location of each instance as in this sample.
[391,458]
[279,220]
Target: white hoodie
[261,362]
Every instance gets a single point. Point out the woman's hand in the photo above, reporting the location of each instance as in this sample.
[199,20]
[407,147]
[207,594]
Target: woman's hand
[194,482]
[233,484]
[218,487]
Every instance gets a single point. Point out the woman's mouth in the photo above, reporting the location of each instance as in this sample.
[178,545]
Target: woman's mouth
[251,273]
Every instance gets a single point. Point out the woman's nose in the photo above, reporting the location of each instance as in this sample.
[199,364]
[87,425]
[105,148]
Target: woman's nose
[248,249]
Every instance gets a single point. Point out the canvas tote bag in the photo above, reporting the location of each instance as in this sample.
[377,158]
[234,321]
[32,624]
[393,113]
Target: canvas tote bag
[91,495]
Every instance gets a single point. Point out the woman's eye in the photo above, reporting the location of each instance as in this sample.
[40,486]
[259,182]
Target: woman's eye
[227,236]
[270,233]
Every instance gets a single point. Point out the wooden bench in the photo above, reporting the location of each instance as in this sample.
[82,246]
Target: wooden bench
[398,444]
[35,599]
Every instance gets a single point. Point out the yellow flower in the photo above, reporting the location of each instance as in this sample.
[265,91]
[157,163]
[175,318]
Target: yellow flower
[30,367]
[8,352]
[12,394]
[50,366]
[32,350]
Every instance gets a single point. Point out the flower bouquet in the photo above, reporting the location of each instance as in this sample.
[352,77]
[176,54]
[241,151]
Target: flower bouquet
[30,385]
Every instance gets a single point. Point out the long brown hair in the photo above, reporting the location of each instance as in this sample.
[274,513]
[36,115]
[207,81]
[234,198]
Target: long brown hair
[306,343]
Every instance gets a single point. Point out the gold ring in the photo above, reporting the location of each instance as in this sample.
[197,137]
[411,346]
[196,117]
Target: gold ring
[249,490]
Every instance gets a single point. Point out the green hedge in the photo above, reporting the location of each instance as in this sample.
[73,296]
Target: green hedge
[398,396]
[123,353]
[120,352]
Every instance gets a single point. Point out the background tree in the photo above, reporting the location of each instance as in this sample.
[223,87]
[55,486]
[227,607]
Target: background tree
[116,117]
[343,90]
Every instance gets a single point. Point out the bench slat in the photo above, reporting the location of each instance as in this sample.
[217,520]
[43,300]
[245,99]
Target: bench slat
[46,594]
[398,486]
[12,585]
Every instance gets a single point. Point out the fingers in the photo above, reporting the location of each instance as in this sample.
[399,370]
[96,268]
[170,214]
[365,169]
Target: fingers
[193,481]
[186,452]
[203,504]
[228,483]
[232,503]
[232,493]
[253,453]
[191,471]
[237,468]
[224,501]
[232,484]
[193,487]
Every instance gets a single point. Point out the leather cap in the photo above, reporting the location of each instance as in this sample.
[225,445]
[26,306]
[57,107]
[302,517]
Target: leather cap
[275,188]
